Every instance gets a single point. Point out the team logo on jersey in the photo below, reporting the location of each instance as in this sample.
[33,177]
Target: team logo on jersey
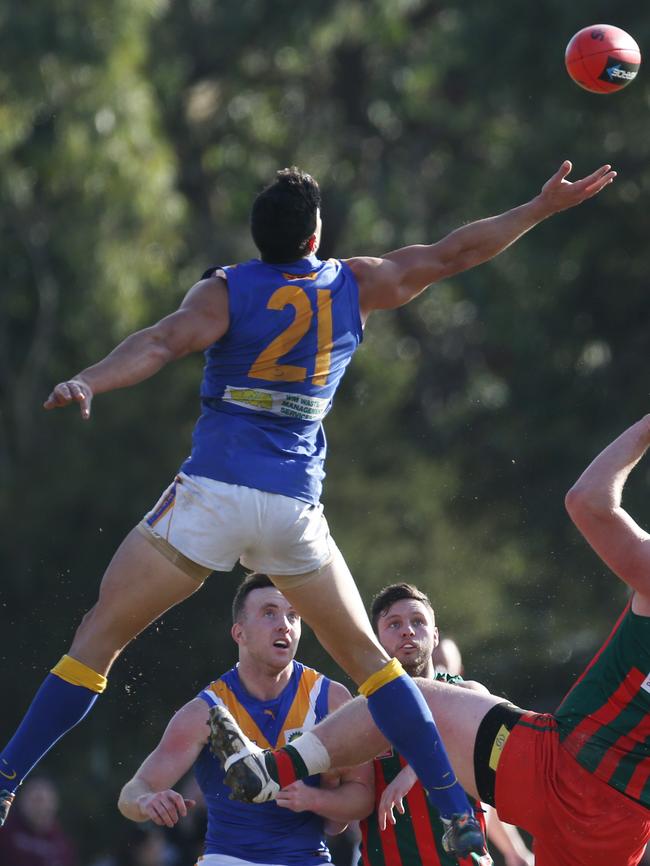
[292,734]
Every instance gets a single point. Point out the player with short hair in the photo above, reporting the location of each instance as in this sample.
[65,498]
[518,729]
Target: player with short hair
[405,623]
[278,333]
[577,779]
[274,698]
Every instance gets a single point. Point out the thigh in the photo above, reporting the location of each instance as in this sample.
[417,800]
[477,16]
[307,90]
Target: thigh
[329,601]
[459,713]
[139,585]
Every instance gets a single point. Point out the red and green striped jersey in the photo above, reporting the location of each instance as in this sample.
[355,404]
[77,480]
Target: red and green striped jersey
[604,721]
[416,838]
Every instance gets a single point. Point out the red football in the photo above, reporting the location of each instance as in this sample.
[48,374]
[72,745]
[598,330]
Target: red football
[602,58]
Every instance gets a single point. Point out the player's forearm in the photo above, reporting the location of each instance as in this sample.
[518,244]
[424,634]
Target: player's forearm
[137,358]
[600,487]
[484,239]
[504,836]
[351,801]
[128,802]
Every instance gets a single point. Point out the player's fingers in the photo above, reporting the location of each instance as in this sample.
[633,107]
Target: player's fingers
[189,804]
[168,813]
[400,806]
[597,185]
[562,171]
[61,394]
[178,804]
[82,397]
[158,815]
[596,175]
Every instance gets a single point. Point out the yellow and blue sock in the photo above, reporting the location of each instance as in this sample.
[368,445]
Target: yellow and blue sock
[402,715]
[63,700]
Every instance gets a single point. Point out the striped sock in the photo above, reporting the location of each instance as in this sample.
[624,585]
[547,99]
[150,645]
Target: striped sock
[306,756]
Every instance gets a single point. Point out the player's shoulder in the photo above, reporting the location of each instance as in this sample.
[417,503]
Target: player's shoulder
[338,695]
[364,267]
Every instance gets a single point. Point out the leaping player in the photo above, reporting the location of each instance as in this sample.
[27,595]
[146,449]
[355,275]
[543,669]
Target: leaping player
[278,333]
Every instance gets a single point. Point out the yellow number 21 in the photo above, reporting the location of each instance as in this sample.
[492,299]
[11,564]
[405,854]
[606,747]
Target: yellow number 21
[266,364]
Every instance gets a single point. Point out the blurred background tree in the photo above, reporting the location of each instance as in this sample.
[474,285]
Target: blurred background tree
[133,138]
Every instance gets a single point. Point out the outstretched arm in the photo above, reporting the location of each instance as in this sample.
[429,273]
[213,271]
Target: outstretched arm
[201,319]
[594,504]
[149,796]
[397,277]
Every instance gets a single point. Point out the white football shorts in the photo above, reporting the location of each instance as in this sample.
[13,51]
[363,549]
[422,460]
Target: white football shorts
[214,525]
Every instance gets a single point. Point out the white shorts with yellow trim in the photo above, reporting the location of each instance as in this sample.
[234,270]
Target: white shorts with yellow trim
[216,525]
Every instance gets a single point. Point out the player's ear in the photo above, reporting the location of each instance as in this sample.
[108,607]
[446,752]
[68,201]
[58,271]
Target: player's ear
[236,632]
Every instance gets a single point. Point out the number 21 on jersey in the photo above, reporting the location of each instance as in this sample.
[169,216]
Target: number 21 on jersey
[266,364]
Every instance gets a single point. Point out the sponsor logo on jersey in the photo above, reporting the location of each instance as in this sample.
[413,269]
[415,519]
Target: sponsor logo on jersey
[646,684]
[300,406]
[618,71]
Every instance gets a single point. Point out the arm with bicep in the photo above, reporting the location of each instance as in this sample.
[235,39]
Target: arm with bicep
[399,276]
[149,795]
[201,319]
[594,505]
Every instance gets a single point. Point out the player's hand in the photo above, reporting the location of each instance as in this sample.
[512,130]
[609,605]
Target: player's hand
[73,391]
[165,808]
[298,797]
[559,194]
[393,795]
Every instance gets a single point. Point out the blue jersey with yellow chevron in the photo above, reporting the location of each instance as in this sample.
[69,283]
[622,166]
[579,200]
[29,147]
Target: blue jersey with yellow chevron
[270,380]
[264,833]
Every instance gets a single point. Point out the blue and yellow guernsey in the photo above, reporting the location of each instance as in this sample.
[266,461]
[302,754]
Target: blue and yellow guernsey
[264,833]
[270,380]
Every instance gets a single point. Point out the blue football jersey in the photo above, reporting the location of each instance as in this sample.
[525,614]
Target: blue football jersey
[264,833]
[270,380]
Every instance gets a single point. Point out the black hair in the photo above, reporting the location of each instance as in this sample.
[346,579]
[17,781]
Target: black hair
[283,217]
[256,580]
[387,597]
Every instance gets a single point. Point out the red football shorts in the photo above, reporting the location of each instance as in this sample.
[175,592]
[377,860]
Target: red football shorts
[575,818]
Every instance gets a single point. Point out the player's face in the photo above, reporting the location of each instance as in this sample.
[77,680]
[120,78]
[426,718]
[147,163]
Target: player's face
[270,630]
[408,632]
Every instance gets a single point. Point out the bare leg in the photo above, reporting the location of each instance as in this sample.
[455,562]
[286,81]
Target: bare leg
[139,585]
[330,603]
[350,736]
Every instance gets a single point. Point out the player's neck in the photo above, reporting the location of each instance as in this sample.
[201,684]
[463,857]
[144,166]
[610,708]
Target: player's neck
[263,681]
[427,673]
